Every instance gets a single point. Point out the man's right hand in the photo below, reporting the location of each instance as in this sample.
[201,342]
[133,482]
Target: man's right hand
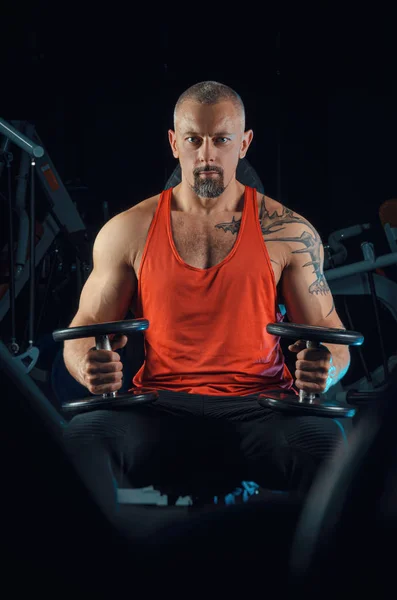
[102,370]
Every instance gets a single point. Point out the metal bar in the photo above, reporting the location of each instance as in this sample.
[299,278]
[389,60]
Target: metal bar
[51,230]
[13,342]
[20,140]
[32,260]
[378,325]
[361,267]
[364,365]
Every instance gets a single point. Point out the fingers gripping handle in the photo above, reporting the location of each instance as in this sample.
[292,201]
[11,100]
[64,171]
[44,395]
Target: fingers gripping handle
[308,397]
[102,342]
[313,344]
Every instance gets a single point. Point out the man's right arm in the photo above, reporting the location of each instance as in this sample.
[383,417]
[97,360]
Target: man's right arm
[108,291]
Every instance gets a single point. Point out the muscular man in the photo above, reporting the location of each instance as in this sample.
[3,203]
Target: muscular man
[206,262]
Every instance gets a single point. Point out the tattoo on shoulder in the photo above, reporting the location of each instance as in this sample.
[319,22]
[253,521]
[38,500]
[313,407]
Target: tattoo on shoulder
[310,240]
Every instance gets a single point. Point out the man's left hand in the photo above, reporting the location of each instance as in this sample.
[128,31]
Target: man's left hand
[314,368]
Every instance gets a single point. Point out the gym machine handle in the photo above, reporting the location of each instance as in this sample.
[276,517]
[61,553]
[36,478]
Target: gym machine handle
[20,140]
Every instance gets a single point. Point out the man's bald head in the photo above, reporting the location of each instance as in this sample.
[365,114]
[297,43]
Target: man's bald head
[210,92]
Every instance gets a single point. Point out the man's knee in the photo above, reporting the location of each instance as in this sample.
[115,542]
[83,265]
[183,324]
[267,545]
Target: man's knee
[88,427]
[132,441]
[318,436]
[310,442]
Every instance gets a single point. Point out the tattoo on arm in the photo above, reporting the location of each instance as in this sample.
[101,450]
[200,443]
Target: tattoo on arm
[274,223]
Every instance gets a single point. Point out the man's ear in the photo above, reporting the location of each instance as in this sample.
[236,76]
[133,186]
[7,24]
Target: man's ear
[172,141]
[246,142]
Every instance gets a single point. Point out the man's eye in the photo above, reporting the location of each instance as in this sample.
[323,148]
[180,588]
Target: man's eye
[225,139]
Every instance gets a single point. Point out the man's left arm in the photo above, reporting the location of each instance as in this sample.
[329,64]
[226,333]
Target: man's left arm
[308,301]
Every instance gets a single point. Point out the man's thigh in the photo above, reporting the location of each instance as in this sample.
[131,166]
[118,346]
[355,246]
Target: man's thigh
[318,436]
[255,432]
[143,442]
[287,450]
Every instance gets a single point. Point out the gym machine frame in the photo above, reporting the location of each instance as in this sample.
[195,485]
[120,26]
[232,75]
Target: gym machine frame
[62,216]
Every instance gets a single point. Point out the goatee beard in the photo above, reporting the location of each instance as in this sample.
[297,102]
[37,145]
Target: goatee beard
[208,187]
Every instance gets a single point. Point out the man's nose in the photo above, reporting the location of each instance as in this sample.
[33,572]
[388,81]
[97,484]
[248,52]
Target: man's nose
[207,151]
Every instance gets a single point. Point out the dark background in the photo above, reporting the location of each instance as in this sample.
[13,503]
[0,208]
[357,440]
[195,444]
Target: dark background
[101,89]
[101,94]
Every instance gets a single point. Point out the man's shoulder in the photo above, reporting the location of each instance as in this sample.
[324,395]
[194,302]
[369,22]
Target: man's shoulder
[127,230]
[268,206]
[138,216]
[130,225]
[274,215]
[146,207]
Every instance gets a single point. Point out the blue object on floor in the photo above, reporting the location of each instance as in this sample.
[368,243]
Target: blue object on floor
[244,493]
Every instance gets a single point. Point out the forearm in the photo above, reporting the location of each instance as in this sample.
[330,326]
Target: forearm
[73,355]
[75,350]
[340,363]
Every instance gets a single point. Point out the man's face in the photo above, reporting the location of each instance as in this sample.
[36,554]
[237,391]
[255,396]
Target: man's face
[209,141]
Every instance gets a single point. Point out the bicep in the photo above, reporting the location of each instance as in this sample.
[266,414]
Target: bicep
[107,293]
[304,288]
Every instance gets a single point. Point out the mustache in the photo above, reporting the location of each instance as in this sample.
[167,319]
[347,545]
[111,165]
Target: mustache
[206,169]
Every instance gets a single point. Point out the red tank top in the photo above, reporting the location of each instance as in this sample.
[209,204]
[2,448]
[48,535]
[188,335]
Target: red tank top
[207,327]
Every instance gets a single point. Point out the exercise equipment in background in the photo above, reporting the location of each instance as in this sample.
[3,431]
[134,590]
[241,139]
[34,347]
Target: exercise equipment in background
[35,241]
[365,278]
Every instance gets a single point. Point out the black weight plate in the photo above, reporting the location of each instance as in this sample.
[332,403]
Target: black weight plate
[124,327]
[316,334]
[99,403]
[320,408]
